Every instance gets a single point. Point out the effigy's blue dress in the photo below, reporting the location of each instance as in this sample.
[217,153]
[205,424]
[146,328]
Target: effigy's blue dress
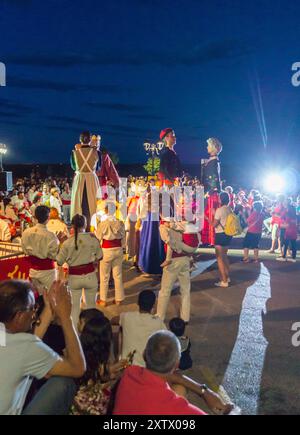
[152,252]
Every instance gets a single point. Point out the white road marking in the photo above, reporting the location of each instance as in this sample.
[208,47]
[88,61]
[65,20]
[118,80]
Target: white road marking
[242,379]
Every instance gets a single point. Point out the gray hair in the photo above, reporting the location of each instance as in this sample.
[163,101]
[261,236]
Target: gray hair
[162,352]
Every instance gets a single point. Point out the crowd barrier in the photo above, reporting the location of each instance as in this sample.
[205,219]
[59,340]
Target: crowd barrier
[13,263]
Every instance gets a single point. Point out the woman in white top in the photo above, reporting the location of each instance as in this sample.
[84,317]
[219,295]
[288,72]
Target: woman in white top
[82,253]
[55,201]
[222,241]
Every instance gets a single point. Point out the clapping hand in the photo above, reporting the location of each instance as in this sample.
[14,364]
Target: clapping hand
[62,237]
[60,300]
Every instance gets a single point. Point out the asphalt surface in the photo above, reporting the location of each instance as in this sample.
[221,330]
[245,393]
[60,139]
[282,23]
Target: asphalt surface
[241,336]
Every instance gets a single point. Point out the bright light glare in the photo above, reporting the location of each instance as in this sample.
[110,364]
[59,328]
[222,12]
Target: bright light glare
[274,183]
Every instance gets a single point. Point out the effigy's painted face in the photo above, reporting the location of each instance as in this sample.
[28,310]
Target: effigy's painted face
[170,139]
[95,142]
[211,149]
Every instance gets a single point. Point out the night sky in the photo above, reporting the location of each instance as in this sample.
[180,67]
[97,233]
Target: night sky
[127,69]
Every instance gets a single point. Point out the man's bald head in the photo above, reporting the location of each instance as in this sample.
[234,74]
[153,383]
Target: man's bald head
[162,353]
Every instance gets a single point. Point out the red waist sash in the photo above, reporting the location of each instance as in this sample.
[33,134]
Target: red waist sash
[117,243]
[174,254]
[41,263]
[66,202]
[82,270]
[190,240]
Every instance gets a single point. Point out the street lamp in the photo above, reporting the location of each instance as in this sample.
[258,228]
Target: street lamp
[153,149]
[3,151]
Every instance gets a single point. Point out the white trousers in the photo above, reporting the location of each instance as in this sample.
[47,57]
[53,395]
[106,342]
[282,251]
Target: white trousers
[112,262]
[42,279]
[179,270]
[87,282]
[67,213]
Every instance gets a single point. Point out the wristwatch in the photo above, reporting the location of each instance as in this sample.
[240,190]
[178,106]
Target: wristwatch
[203,389]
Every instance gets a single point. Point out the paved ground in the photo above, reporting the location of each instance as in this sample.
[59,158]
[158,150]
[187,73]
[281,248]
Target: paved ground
[241,336]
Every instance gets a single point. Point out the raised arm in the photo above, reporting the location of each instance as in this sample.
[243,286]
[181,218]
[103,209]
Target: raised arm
[73,364]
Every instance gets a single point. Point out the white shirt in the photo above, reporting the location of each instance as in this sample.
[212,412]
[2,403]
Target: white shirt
[19,204]
[221,215]
[24,356]
[137,328]
[14,199]
[31,195]
[5,235]
[111,228]
[40,242]
[95,219]
[57,226]
[89,250]
[10,213]
[55,203]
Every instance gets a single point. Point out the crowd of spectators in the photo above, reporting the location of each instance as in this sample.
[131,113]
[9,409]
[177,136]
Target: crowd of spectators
[81,364]
[82,373]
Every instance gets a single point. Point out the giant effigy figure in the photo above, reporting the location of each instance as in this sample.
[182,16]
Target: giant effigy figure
[170,166]
[86,188]
[210,178]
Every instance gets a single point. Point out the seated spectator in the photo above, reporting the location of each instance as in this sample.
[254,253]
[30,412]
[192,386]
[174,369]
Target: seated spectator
[57,225]
[137,326]
[5,234]
[9,210]
[55,201]
[147,391]
[95,386]
[177,326]
[87,315]
[2,203]
[17,314]
[37,200]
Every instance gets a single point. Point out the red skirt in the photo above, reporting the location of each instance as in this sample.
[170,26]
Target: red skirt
[208,232]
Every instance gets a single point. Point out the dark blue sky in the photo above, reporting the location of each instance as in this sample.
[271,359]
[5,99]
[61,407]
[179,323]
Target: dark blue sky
[127,69]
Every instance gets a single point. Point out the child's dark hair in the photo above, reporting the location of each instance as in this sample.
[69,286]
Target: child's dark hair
[42,214]
[91,313]
[146,300]
[96,339]
[224,198]
[78,222]
[177,326]
[258,206]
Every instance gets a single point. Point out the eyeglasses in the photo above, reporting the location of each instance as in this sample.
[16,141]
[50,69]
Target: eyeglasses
[34,309]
